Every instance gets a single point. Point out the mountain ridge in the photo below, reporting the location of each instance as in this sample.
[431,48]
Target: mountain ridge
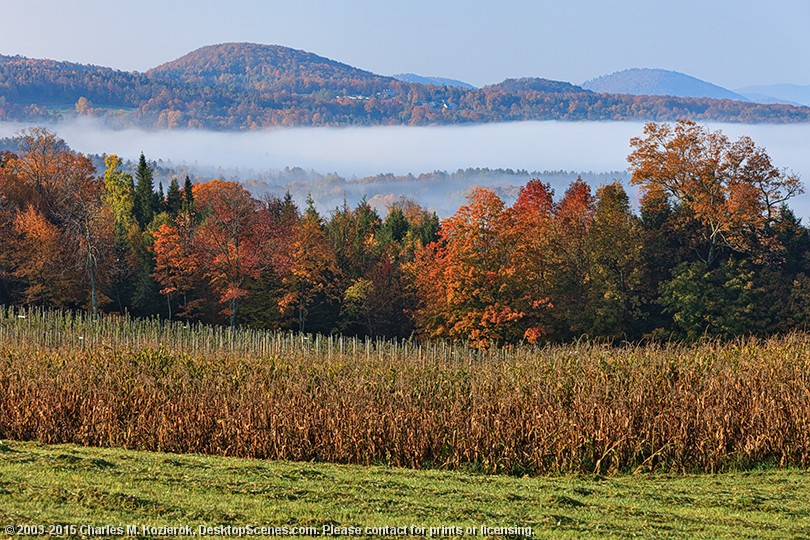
[795,94]
[245,86]
[538,84]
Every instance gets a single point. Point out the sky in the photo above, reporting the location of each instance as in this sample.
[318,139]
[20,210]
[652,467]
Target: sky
[729,43]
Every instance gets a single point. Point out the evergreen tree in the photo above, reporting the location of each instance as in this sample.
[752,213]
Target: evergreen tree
[121,271]
[174,200]
[351,234]
[311,213]
[427,230]
[283,212]
[145,200]
[145,292]
[395,226]
[289,211]
[188,194]
[160,199]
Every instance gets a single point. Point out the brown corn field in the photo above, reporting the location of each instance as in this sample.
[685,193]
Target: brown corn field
[152,385]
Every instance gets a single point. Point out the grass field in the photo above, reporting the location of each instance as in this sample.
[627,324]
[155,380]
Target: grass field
[68,485]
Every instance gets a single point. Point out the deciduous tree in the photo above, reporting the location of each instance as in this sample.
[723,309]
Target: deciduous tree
[314,274]
[463,279]
[229,240]
[732,189]
[177,263]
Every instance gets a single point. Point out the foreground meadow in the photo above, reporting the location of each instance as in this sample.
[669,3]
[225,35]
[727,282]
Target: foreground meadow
[586,408]
[65,485]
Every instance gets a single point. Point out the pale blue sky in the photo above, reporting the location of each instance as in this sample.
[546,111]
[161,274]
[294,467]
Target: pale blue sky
[730,43]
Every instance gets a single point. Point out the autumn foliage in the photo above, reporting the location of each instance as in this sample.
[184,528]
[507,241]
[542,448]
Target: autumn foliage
[713,250]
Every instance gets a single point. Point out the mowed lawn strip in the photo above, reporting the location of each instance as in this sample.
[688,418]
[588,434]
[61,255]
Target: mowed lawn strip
[66,484]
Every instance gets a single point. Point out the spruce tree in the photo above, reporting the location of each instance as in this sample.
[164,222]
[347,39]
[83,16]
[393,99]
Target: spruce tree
[144,208]
[160,199]
[289,211]
[428,230]
[396,226]
[311,213]
[174,201]
[188,195]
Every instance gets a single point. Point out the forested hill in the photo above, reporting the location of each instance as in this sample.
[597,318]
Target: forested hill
[251,67]
[238,86]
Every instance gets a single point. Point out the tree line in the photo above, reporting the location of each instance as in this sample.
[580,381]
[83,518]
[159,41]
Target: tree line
[712,250]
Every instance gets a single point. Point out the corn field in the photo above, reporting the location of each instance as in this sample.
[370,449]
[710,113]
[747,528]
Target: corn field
[154,385]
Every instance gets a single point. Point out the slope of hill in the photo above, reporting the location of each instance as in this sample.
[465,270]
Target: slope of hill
[780,93]
[658,82]
[48,82]
[435,81]
[238,86]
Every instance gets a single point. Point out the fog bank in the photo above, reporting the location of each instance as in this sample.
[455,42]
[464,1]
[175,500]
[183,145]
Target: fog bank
[364,151]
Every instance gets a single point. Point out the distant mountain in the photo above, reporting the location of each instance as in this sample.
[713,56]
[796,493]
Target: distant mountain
[435,81]
[779,93]
[768,100]
[534,84]
[659,82]
[243,86]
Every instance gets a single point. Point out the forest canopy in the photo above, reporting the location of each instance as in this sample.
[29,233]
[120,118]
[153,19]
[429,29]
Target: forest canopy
[712,250]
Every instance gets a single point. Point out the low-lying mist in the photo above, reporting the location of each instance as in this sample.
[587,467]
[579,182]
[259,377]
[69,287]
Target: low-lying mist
[343,157]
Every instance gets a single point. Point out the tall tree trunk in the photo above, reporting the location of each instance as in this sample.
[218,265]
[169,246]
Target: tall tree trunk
[301,308]
[93,295]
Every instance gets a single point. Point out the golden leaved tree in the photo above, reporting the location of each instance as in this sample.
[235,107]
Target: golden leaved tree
[732,189]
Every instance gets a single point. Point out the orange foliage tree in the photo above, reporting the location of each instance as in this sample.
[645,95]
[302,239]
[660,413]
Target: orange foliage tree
[570,257]
[177,263]
[313,272]
[229,241]
[464,281]
[528,233]
[730,188]
[39,245]
[53,184]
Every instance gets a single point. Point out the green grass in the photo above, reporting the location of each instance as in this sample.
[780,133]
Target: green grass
[65,484]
